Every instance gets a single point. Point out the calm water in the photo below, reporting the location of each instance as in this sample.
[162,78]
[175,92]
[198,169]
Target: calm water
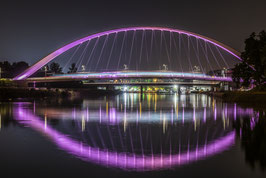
[132,135]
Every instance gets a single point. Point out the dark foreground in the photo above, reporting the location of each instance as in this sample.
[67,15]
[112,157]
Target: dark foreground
[130,135]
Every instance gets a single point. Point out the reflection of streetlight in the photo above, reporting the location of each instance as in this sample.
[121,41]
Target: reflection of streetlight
[125,88]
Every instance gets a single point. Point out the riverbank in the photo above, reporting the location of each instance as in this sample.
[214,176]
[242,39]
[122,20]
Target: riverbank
[254,98]
[9,93]
[12,93]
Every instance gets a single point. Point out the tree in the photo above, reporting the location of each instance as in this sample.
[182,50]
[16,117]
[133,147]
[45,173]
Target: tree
[242,75]
[11,70]
[72,68]
[19,67]
[253,66]
[6,69]
[55,68]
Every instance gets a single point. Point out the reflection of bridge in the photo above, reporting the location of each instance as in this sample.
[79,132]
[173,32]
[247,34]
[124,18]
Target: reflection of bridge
[125,160]
[131,134]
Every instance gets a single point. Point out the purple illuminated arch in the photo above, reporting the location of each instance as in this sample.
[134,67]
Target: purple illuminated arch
[126,161]
[31,70]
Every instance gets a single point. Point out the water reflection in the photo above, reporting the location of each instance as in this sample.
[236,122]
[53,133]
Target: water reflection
[252,131]
[135,132]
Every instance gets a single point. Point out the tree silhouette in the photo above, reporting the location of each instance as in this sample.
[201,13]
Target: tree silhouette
[55,68]
[72,68]
[11,70]
[242,73]
[254,56]
[19,67]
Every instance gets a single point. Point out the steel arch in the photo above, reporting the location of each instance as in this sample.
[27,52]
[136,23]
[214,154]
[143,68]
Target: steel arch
[31,70]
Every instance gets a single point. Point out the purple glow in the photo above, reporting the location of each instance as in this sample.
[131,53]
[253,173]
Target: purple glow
[183,114]
[87,114]
[116,116]
[113,115]
[58,52]
[124,161]
[142,74]
[234,111]
[204,115]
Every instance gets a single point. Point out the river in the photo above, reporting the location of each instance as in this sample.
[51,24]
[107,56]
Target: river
[129,135]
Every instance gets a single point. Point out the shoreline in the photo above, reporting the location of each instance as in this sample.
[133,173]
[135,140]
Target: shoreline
[11,93]
[18,93]
[248,98]
[244,98]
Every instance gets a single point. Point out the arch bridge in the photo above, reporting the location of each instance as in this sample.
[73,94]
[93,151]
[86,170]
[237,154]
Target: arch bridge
[176,77]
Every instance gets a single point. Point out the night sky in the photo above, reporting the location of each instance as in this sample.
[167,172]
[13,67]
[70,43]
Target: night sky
[32,29]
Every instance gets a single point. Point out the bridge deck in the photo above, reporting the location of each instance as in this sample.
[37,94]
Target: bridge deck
[176,77]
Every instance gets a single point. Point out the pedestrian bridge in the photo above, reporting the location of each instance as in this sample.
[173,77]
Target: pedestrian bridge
[143,50]
[136,78]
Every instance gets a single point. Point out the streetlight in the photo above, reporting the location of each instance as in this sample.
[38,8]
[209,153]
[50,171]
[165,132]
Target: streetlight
[196,69]
[83,68]
[165,67]
[225,72]
[125,67]
[45,70]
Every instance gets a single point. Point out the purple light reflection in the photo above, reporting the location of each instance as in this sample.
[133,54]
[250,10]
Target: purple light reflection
[126,161]
[113,116]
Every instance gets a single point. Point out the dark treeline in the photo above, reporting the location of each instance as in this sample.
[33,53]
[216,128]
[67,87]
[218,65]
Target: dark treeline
[252,70]
[10,70]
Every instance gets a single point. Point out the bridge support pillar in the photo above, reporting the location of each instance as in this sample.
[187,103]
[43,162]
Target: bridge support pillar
[110,88]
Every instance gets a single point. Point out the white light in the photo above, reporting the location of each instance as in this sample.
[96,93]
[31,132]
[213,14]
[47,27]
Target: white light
[125,88]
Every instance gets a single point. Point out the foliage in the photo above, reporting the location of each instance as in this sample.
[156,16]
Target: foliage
[260,88]
[242,73]
[253,67]
[9,70]
[72,68]
[45,68]
[55,68]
